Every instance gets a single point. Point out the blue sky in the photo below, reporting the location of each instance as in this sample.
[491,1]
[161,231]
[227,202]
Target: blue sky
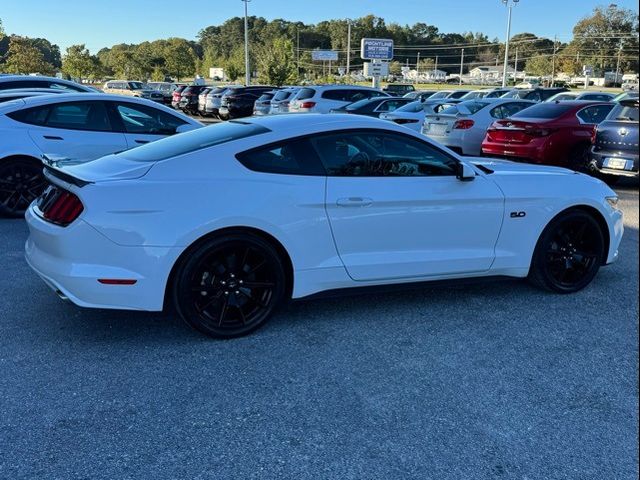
[99,23]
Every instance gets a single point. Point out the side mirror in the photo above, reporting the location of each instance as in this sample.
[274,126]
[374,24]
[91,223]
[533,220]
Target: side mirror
[466,173]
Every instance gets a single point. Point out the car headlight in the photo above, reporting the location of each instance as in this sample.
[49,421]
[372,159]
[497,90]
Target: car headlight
[613,201]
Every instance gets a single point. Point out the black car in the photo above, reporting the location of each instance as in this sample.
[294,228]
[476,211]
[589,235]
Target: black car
[399,89]
[534,94]
[189,98]
[615,150]
[373,107]
[238,102]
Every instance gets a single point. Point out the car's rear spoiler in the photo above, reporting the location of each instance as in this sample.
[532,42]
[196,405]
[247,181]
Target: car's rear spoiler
[51,167]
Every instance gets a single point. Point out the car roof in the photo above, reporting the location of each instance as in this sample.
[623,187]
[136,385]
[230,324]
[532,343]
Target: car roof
[317,121]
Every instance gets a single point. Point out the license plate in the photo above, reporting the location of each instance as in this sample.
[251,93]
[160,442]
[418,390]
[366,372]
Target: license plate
[618,163]
[437,128]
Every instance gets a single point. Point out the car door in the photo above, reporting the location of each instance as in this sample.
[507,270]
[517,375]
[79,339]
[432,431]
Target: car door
[397,209]
[142,123]
[79,130]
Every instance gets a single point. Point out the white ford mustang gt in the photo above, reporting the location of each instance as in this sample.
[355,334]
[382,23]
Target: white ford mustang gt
[227,221]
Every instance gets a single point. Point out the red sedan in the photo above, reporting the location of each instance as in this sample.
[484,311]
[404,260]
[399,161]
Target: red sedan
[554,133]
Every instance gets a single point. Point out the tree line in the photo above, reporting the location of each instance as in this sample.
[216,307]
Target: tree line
[280,50]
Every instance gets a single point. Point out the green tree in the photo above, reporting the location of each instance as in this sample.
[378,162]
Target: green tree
[276,65]
[78,62]
[539,65]
[599,37]
[22,57]
[234,65]
[179,58]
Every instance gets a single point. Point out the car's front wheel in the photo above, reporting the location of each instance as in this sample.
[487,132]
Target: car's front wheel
[229,286]
[569,253]
[21,181]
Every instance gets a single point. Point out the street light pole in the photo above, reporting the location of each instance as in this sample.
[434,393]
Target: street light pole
[509,4]
[348,47]
[247,71]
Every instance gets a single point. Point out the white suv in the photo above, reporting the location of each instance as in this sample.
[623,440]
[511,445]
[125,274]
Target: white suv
[324,98]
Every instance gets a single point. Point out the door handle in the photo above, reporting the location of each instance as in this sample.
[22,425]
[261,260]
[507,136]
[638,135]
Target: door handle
[142,141]
[52,137]
[354,202]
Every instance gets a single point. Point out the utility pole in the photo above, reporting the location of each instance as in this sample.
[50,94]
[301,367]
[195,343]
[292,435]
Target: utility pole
[515,75]
[461,66]
[348,46]
[247,71]
[615,82]
[417,67]
[298,50]
[553,63]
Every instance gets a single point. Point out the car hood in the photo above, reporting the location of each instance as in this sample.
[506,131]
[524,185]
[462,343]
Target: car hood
[507,167]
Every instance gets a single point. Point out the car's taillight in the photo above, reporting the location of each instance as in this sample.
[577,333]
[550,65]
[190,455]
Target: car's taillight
[463,124]
[534,131]
[405,120]
[59,206]
[307,104]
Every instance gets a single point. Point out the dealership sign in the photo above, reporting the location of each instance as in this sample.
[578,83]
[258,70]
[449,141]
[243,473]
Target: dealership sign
[324,55]
[376,49]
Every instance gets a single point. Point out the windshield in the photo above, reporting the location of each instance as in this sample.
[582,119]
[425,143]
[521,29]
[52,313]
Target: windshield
[305,93]
[136,85]
[359,104]
[411,107]
[468,108]
[544,110]
[472,95]
[441,94]
[193,140]
[515,94]
[625,113]
[282,95]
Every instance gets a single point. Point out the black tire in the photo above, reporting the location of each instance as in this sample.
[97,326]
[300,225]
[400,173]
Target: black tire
[229,286]
[569,253]
[21,182]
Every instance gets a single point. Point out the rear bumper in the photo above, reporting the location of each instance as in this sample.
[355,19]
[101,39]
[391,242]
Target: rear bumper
[533,152]
[70,260]
[597,163]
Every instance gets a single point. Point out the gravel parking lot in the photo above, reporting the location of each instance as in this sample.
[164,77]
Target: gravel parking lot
[495,380]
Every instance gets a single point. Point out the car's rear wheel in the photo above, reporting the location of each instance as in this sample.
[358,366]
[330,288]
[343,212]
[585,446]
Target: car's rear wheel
[569,253]
[229,286]
[21,181]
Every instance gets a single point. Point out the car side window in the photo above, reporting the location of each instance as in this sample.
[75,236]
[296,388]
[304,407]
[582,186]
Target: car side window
[142,119]
[90,115]
[380,154]
[535,96]
[390,105]
[510,109]
[594,114]
[79,116]
[497,112]
[63,86]
[291,157]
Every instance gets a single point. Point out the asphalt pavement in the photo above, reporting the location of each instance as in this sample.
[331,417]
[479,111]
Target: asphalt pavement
[489,381]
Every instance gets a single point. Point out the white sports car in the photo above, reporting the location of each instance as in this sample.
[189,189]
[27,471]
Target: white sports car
[227,221]
[75,126]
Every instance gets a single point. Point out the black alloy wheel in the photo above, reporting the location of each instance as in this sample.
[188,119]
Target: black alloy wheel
[229,286]
[569,253]
[21,182]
